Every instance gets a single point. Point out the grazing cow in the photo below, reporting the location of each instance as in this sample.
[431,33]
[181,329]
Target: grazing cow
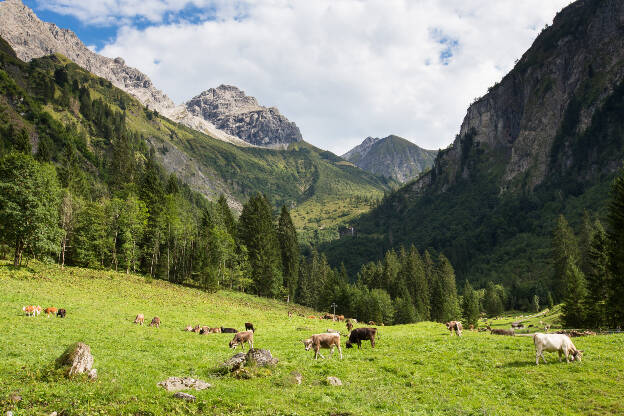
[360,334]
[249,327]
[328,316]
[61,313]
[242,338]
[197,328]
[139,319]
[29,310]
[508,332]
[328,341]
[50,311]
[349,325]
[204,330]
[215,330]
[228,330]
[189,328]
[555,342]
[340,318]
[155,322]
[454,326]
[290,314]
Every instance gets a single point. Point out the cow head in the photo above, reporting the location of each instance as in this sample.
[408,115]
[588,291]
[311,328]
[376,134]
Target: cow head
[233,343]
[307,343]
[577,355]
[349,345]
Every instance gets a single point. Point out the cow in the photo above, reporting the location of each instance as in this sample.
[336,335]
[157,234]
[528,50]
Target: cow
[29,310]
[50,311]
[249,327]
[340,318]
[197,328]
[349,325]
[360,334]
[508,332]
[228,330]
[139,319]
[290,314]
[329,316]
[517,325]
[215,330]
[327,340]
[61,313]
[155,322]
[454,326]
[555,342]
[471,327]
[204,330]
[189,328]
[242,338]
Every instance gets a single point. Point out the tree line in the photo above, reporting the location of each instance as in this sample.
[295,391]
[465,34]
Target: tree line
[589,268]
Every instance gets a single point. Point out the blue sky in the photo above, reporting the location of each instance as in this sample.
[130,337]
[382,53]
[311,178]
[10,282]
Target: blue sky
[342,70]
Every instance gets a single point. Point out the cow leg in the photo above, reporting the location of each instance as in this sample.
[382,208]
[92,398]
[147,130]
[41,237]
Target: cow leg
[537,358]
[372,342]
[331,351]
[559,353]
[251,345]
[340,351]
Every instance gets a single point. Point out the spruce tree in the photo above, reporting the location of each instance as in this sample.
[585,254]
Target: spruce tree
[289,247]
[573,309]
[584,243]
[564,250]
[413,273]
[597,278]
[493,303]
[257,232]
[616,245]
[444,306]
[226,215]
[470,305]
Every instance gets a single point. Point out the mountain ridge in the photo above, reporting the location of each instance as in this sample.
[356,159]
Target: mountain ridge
[391,156]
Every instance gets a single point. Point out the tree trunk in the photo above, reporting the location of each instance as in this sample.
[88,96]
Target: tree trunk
[18,253]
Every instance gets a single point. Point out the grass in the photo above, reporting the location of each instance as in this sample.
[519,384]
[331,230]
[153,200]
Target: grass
[414,369]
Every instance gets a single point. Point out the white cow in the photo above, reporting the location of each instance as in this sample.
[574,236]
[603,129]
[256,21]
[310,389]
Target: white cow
[555,342]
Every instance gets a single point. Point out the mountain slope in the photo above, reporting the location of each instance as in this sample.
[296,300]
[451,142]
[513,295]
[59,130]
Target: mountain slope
[50,95]
[392,157]
[545,140]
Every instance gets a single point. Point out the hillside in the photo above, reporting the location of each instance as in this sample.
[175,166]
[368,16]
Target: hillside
[392,157]
[432,372]
[544,141]
[51,90]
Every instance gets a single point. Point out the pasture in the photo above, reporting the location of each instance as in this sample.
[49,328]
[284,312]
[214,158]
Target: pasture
[414,369]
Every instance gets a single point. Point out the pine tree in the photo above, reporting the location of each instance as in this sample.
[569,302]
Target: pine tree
[413,273]
[551,302]
[598,278]
[444,306]
[535,304]
[585,238]
[470,305]
[257,233]
[573,309]
[493,303]
[226,215]
[22,142]
[289,247]
[616,245]
[564,250]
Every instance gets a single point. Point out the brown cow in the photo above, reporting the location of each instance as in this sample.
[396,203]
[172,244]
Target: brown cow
[139,319]
[197,328]
[204,330]
[454,326]
[327,340]
[189,328]
[215,330]
[340,318]
[242,338]
[360,334]
[155,322]
[50,311]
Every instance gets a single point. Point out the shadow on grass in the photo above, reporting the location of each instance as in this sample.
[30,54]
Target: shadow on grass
[519,364]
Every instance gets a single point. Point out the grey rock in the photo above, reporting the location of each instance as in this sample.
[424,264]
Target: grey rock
[184,396]
[183,383]
[236,361]
[76,359]
[260,357]
[334,381]
[238,114]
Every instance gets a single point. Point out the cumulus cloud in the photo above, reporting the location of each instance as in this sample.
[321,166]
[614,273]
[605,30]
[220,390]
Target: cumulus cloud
[341,69]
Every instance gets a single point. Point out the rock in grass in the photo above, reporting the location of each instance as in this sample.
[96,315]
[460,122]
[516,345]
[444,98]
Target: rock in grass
[77,359]
[236,361]
[15,397]
[334,381]
[183,383]
[260,358]
[296,377]
[184,396]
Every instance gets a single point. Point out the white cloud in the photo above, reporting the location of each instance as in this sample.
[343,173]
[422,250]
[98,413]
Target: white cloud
[341,69]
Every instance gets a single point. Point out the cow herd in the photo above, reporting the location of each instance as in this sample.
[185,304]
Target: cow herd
[32,310]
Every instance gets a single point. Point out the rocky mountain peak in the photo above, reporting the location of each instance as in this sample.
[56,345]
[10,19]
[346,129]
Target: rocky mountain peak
[231,110]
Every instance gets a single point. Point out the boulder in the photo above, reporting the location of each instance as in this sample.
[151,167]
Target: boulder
[183,383]
[77,359]
[334,381]
[260,357]
[184,396]
[236,361]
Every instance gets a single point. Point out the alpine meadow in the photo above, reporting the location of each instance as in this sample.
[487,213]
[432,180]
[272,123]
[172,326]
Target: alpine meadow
[212,258]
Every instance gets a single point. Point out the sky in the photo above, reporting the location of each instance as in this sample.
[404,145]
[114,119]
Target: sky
[342,70]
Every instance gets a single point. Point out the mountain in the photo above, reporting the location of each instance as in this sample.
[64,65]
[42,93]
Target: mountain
[73,112]
[230,110]
[392,157]
[546,140]
[244,121]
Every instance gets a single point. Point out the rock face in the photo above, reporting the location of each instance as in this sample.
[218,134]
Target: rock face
[77,359]
[32,38]
[392,156]
[183,383]
[565,76]
[230,110]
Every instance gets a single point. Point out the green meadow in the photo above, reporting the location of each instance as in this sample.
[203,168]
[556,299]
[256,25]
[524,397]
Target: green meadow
[414,369]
